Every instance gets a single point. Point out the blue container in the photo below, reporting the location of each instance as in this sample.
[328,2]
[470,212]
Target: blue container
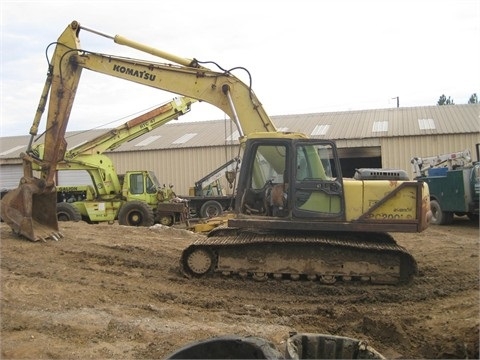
[438,172]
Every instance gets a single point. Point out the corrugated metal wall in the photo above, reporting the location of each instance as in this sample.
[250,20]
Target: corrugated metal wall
[398,151]
[401,135]
[180,167]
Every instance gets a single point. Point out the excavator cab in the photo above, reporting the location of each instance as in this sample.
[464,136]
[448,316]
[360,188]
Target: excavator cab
[291,178]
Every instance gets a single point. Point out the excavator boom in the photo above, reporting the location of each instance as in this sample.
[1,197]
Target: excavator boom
[30,210]
[189,78]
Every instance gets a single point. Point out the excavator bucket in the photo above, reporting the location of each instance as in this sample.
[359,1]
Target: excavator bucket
[31,210]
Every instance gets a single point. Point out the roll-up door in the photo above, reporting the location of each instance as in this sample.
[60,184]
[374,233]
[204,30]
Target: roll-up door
[10,176]
[73,177]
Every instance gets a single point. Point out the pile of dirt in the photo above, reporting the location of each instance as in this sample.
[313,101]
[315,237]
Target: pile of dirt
[109,291]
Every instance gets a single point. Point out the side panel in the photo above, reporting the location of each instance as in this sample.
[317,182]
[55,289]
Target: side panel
[353,190]
[98,211]
[362,196]
[388,200]
[449,190]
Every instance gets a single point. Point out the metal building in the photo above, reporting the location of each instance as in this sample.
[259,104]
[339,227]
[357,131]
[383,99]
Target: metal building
[184,152]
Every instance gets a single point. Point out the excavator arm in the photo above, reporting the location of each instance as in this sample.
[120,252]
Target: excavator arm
[30,209]
[133,129]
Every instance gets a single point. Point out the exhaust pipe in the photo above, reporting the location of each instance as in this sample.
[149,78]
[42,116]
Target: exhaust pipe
[31,210]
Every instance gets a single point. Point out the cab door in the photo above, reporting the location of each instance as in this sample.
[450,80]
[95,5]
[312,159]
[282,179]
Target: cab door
[317,189]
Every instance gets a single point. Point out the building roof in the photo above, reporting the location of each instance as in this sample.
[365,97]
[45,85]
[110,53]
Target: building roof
[362,124]
[388,122]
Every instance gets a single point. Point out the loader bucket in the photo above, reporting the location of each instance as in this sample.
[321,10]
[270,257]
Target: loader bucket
[31,210]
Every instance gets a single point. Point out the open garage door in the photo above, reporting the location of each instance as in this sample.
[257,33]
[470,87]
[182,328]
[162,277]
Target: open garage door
[359,157]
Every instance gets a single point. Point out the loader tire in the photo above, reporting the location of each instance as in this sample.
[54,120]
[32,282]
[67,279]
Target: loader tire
[136,213]
[210,209]
[67,212]
[167,220]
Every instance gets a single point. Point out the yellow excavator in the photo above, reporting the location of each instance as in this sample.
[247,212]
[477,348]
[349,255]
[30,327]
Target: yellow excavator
[296,216]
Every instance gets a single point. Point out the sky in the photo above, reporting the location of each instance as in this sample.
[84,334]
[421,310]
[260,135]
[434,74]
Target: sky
[305,56]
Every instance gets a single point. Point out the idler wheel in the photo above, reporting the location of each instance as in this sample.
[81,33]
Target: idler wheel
[260,276]
[199,261]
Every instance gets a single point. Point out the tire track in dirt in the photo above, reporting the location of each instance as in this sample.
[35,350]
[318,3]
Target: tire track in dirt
[117,292]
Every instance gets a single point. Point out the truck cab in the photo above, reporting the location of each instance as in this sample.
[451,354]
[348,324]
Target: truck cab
[143,187]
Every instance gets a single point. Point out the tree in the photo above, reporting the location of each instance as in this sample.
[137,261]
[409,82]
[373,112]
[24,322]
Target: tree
[473,99]
[444,101]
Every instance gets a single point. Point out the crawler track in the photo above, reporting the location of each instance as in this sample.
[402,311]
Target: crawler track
[328,257]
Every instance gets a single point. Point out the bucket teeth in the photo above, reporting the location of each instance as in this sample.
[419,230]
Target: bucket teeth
[39,234]
[56,236]
[47,234]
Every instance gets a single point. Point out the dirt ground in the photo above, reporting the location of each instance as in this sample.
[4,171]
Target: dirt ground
[115,292]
